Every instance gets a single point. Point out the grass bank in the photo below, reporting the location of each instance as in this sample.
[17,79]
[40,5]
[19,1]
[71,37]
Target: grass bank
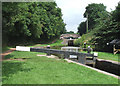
[57,43]
[42,70]
[107,56]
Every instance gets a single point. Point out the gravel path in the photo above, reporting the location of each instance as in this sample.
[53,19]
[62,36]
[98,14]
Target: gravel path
[6,53]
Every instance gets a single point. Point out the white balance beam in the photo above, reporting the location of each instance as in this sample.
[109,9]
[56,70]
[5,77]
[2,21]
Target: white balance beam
[22,48]
[95,54]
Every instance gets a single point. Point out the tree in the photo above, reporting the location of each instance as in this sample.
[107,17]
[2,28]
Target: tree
[33,20]
[105,26]
[93,10]
[116,13]
[70,32]
[107,29]
[82,28]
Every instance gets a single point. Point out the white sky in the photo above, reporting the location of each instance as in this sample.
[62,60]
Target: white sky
[73,10]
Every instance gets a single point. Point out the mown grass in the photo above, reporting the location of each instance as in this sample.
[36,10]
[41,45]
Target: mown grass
[107,56]
[43,70]
[18,54]
[57,43]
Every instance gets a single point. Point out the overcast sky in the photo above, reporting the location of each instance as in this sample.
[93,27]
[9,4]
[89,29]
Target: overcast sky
[73,10]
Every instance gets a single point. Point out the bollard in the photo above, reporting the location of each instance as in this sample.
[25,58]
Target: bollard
[48,46]
[84,46]
[95,58]
[89,49]
[48,53]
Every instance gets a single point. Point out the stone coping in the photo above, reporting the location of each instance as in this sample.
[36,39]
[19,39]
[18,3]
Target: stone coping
[115,62]
[93,69]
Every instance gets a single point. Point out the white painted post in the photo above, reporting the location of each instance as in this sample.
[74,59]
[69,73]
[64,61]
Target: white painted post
[22,48]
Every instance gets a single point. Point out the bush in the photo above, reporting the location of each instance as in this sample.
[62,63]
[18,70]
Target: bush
[80,41]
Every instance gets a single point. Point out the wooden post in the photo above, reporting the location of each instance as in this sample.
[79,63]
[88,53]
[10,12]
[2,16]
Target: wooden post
[66,55]
[113,49]
[94,60]
[82,59]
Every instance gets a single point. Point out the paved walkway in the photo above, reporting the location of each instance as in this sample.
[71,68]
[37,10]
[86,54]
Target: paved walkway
[51,56]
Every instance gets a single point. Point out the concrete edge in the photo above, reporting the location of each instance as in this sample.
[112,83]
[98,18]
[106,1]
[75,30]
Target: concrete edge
[94,69]
[115,62]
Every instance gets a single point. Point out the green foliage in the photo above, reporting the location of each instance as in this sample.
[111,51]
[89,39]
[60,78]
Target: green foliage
[104,26]
[82,28]
[107,29]
[70,32]
[84,38]
[79,42]
[93,10]
[43,70]
[32,21]
[57,43]
[116,13]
